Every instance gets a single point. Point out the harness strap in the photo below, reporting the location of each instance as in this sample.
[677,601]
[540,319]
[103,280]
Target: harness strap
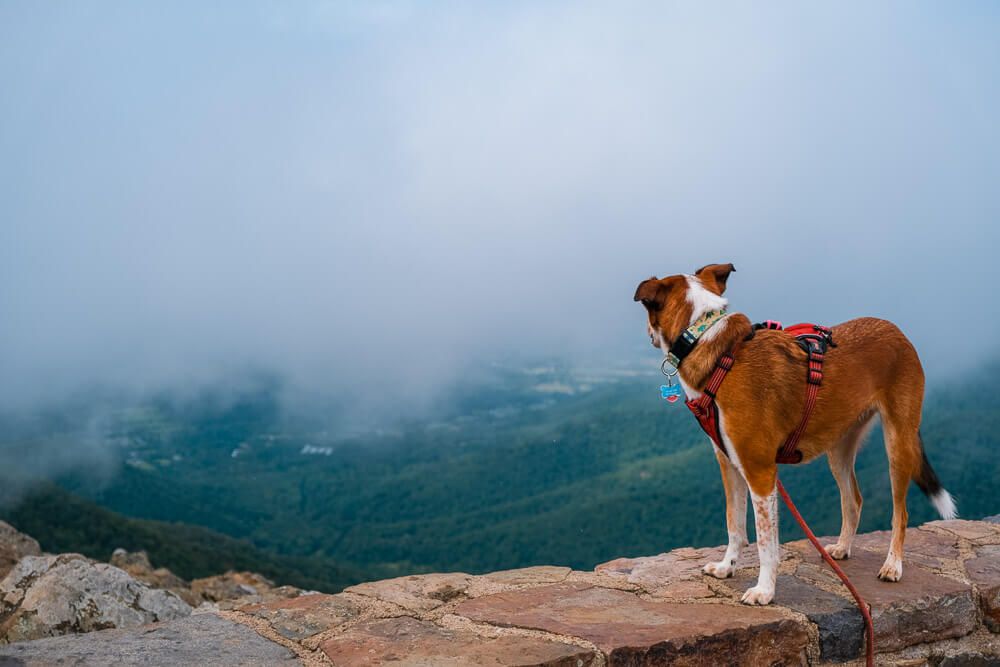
[704,408]
[815,345]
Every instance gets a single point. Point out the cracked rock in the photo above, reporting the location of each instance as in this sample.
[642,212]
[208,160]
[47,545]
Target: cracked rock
[45,596]
[14,546]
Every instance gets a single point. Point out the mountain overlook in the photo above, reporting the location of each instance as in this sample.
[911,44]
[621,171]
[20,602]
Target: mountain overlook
[512,477]
[651,610]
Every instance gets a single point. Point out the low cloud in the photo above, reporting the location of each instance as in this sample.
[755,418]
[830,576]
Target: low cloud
[372,202]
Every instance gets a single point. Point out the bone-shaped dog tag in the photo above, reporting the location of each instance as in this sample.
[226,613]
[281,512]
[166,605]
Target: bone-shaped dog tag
[671,392]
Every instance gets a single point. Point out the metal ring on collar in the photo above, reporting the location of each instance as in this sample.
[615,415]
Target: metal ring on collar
[663,368]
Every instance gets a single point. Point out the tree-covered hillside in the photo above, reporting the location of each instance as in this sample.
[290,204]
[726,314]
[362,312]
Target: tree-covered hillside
[528,475]
[64,522]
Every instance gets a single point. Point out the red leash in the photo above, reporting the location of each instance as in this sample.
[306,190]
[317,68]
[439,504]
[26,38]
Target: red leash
[869,628]
[814,340]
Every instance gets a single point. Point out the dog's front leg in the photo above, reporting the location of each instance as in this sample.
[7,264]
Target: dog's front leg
[765,510]
[736,518]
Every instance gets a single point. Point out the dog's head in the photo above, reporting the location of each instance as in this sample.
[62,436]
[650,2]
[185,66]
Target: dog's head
[672,303]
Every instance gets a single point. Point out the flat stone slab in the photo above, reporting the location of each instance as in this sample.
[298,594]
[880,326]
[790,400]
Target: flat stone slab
[921,607]
[654,573]
[684,590]
[975,659]
[923,547]
[632,611]
[206,640]
[979,532]
[419,592]
[841,625]
[634,631]
[984,573]
[408,642]
[540,574]
[302,617]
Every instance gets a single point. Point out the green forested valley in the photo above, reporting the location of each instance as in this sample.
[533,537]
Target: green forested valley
[545,469]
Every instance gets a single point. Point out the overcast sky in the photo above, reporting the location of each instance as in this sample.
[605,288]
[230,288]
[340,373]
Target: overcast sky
[377,193]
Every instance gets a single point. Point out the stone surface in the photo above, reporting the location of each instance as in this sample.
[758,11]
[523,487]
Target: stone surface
[305,616]
[45,596]
[968,660]
[984,573]
[634,631]
[420,592]
[205,640]
[677,565]
[921,607]
[637,611]
[137,564]
[922,547]
[541,574]
[656,573]
[840,624]
[230,586]
[14,546]
[975,531]
[221,591]
[927,548]
[237,589]
[407,641]
[684,590]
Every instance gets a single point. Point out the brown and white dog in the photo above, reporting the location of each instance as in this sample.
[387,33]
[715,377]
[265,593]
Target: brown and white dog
[872,370]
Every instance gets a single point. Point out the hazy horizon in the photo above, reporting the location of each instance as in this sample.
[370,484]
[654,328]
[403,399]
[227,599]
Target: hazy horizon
[374,200]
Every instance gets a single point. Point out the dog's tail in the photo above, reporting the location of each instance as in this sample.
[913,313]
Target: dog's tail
[928,482]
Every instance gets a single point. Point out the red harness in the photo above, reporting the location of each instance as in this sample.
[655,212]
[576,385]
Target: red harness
[814,339]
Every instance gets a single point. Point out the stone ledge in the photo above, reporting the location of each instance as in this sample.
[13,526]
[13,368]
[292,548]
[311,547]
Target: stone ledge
[202,639]
[651,610]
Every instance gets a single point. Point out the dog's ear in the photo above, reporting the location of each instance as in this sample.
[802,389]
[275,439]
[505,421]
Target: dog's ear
[653,293]
[714,276]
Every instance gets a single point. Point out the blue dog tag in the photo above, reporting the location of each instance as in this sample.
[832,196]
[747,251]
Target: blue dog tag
[671,392]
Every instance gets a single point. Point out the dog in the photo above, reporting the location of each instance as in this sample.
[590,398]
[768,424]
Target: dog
[873,370]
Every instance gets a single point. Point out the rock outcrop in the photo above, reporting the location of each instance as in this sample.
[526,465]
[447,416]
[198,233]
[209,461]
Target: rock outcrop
[220,591]
[203,640]
[44,596]
[13,547]
[137,564]
[653,610]
[236,589]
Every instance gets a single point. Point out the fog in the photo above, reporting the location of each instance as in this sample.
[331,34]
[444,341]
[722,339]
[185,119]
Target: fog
[374,199]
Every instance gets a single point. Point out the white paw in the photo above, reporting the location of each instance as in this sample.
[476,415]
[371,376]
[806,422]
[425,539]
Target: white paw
[838,551]
[721,570]
[892,570]
[758,595]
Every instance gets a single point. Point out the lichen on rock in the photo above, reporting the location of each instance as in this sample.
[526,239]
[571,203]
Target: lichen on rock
[14,546]
[45,596]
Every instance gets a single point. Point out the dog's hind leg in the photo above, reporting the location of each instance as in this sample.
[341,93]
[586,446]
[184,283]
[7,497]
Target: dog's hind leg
[736,518]
[841,458]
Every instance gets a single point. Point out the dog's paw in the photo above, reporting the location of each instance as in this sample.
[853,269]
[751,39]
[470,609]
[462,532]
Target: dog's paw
[892,570]
[758,595]
[838,551]
[721,570]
